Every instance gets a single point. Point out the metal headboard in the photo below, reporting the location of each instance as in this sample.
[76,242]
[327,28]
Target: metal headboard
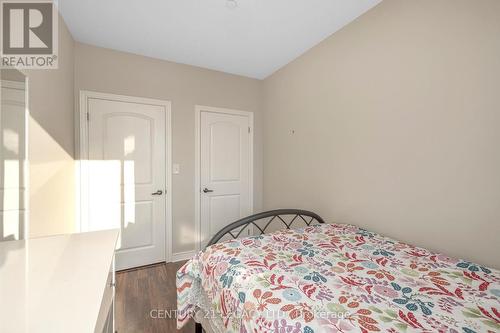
[274,216]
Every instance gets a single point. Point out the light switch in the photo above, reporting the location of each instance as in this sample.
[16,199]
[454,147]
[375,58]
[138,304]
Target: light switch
[176,169]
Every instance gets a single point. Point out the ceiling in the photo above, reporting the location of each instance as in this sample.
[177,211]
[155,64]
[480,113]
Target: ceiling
[254,39]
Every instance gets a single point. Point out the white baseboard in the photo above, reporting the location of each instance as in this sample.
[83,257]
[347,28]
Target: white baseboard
[180,256]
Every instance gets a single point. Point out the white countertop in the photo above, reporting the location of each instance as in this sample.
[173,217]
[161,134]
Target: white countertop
[54,284]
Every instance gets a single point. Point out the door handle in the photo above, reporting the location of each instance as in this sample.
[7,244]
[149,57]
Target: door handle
[159,192]
[206,190]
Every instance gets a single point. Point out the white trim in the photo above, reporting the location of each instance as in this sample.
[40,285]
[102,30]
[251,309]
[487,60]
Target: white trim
[197,227]
[83,155]
[181,256]
[26,165]
[168,184]
[197,149]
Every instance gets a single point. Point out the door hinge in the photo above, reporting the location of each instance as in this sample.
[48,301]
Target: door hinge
[88,116]
[249,129]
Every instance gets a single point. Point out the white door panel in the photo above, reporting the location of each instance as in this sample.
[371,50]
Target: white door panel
[225,146]
[127,149]
[223,209]
[225,170]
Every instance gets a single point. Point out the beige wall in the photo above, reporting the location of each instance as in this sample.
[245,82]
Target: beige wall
[104,70]
[51,143]
[397,126]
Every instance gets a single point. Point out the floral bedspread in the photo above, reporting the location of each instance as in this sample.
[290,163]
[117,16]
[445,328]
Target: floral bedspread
[336,278]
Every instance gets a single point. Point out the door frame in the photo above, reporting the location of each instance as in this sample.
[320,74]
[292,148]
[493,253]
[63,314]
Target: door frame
[197,162]
[83,155]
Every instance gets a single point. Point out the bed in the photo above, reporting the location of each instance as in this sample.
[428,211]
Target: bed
[331,278]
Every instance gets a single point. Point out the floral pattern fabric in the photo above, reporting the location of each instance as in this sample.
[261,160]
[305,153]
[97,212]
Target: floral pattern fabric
[336,278]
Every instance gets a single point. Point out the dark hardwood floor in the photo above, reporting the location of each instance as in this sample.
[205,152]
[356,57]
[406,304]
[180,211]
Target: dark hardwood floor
[143,290]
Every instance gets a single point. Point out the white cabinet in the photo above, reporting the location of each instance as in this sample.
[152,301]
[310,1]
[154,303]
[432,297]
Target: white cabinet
[105,318]
[58,284]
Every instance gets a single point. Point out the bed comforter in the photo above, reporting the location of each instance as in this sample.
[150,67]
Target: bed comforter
[336,278]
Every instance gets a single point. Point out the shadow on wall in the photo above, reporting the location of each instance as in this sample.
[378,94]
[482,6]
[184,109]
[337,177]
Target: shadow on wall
[52,144]
[51,185]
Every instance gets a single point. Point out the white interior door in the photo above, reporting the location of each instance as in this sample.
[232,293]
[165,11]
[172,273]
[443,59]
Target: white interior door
[225,170]
[126,177]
